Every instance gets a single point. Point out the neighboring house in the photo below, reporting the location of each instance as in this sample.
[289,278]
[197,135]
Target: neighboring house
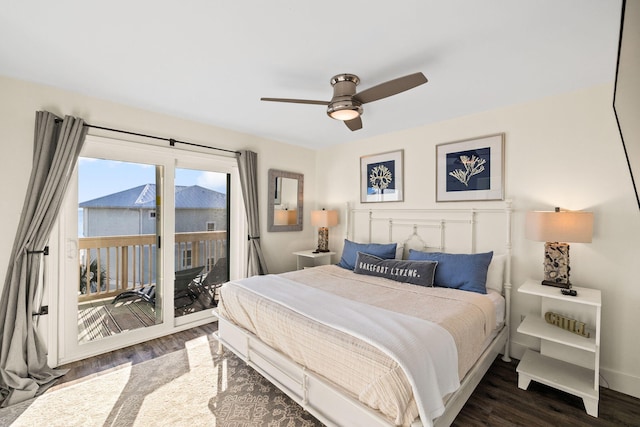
[133,211]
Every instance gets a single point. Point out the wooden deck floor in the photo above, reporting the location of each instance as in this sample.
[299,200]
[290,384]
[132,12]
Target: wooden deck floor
[100,318]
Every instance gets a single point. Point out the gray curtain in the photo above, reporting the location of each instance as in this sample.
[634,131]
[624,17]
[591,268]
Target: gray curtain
[24,372]
[248,166]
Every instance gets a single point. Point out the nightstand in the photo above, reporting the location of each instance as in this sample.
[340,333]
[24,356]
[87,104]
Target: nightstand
[310,259]
[567,361]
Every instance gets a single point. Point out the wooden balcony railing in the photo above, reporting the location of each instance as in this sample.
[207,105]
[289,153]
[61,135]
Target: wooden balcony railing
[110,265]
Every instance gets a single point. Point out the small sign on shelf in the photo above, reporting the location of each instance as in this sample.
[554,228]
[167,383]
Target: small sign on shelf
[566,323]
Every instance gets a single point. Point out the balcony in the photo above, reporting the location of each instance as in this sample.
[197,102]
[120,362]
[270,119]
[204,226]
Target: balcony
[111,265]
[114,264]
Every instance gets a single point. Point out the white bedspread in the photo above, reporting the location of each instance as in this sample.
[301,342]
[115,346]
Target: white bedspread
[401,336]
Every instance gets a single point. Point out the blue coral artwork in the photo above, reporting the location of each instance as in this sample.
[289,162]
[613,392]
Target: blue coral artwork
[469,170]
[381,177]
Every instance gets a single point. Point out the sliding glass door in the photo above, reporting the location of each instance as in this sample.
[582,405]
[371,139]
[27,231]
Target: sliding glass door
[118,233]
[201,214]
[144,244]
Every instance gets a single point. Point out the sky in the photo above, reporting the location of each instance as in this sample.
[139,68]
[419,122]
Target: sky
[99,178]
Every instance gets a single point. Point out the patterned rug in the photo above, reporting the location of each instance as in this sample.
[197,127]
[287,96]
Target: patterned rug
[190,387]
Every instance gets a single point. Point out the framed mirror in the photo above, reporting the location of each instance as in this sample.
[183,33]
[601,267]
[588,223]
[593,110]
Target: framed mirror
[284,212]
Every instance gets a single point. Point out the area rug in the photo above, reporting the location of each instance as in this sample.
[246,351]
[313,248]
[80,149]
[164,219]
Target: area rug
[190,387]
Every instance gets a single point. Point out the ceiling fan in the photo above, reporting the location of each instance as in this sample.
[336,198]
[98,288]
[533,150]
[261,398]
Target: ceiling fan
[346,104]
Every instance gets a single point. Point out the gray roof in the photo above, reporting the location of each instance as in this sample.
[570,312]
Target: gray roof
[144,197]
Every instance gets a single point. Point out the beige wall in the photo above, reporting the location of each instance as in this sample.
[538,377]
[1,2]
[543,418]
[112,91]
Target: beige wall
[560,151]
[20,101]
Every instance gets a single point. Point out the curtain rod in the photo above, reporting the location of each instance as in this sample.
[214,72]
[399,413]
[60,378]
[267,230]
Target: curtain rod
[172,142]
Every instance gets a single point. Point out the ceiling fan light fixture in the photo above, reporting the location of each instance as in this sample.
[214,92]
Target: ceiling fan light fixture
[344,115]
[344,110]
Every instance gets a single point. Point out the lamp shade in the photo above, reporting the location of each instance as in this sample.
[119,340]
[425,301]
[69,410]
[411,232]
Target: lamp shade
[285,217]
[559,226]
[280,217]
[324,218]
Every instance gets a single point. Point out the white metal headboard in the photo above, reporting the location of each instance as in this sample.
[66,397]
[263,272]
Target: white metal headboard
[430,229]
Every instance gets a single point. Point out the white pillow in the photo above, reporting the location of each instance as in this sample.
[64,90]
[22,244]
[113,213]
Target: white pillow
[399,250]
[495,273]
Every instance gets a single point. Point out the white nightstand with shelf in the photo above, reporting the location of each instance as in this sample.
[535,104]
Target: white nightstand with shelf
[566,361]
[310,258]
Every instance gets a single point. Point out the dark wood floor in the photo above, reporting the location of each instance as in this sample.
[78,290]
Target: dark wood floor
[104,363]
[497,400]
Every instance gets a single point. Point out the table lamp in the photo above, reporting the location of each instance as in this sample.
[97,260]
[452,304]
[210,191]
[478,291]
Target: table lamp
[323,219]
[557,229]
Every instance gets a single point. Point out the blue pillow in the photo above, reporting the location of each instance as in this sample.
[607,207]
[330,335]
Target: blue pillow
[414,272]
[351,249]
[467,272]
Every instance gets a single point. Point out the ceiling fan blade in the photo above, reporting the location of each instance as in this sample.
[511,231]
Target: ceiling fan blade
[392,87]
[296,101]
[354,124]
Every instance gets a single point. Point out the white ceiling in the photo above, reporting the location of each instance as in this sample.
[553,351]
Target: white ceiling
[211,60]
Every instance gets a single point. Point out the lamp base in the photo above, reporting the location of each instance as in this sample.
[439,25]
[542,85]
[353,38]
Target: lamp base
[556,284]
[556,265]
[323,239]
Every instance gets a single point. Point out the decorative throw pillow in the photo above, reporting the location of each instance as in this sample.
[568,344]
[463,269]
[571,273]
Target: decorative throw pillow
[351,249]
[467,272]
[495,273]
[414,272]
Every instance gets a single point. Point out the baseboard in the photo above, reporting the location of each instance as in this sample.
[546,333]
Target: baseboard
[609,378]
[618,381]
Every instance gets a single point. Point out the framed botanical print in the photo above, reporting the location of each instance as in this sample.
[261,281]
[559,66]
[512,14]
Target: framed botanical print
[471,169]
[381,177]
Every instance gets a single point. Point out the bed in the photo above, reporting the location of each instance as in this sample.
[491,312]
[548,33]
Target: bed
[354,348]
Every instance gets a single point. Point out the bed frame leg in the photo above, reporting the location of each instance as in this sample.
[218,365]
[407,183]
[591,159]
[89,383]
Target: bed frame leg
[505,355]
[219,348]
[507,297]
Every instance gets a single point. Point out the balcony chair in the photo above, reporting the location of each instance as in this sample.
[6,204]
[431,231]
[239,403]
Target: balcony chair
[182,285]
[181,288]
[214,278]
